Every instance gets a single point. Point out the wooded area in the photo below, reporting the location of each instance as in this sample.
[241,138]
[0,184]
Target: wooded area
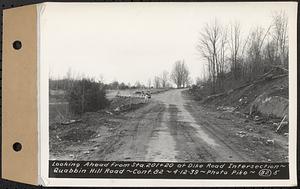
[232,57]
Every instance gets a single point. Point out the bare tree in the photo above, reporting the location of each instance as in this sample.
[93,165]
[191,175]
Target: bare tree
[189,81]
[164,79]
[227,51]
[235,48]
[69,79]
[149,83]
[280,36]
[208,46]
[198,81]
[101,78]
[185,75]
[176,74]
[157,82]
[254,55]
[138,85]
[222,57]
[270,53]
[180,74]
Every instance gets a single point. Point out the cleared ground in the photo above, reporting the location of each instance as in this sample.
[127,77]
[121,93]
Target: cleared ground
[171,127]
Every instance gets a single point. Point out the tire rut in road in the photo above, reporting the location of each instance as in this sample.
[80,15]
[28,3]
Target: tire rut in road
[162,144]
[144,130]
[188,146]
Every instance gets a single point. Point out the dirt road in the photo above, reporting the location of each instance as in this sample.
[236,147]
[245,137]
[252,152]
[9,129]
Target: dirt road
[173,127]
[183,137]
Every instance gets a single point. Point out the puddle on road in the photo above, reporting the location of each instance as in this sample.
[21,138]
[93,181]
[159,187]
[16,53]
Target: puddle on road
[185,116]
[162,145]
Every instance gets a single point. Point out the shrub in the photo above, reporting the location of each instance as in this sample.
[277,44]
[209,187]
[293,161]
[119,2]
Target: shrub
[86,95]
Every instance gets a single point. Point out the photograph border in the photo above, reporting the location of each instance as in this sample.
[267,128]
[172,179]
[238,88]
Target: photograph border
[7,4]
[44,147]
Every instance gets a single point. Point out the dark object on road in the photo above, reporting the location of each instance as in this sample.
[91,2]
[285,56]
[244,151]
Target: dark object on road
[148,95]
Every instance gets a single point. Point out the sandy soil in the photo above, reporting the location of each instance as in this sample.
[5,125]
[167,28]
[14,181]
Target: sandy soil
[173,127]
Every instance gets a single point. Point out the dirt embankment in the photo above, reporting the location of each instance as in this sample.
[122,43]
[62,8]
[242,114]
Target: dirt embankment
[264,100]
[242,99]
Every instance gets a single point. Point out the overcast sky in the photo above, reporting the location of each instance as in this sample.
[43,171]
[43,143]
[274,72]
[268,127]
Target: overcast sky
[131,42]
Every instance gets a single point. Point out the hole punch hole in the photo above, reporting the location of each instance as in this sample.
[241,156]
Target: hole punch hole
[17,146]
[17,45]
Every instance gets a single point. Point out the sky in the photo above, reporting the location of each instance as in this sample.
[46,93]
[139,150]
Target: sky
[129,42]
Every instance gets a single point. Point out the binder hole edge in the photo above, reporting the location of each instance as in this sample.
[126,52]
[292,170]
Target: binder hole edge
[17,146]
[17,45]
